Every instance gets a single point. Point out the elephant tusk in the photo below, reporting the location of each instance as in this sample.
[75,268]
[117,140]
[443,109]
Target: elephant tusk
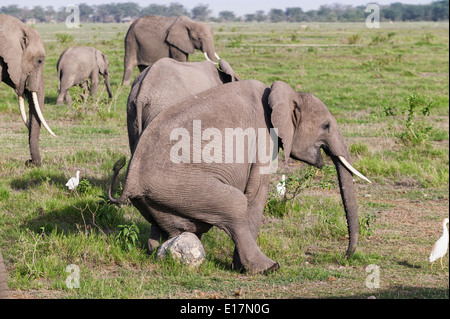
[217,57]
[22,110]
[352,169]
[39,113]
[207,58]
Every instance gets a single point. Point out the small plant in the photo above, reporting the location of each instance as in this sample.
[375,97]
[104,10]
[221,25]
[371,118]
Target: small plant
[416,131]
[366,225]
[84,187]
[107,213]
[64,38]
[278,206]
[127,236]
[354,39]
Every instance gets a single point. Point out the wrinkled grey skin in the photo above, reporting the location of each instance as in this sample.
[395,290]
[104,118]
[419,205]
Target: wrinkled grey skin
[78,64]
[22,57]
[193,197]
[151,38]
[168,82]
[3,279]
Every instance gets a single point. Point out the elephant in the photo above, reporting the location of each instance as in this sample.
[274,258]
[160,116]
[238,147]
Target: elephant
[151,38]
[22,57]
[78,64]
[167,82]
[175,182]
[3,279]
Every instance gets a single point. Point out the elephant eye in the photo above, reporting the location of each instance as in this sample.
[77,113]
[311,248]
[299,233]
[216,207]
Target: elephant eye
[326,126]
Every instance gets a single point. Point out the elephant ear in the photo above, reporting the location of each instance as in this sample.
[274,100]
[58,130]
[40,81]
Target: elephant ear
[178,36]
[11,50]
[285,113]
[228,71]
[102,61]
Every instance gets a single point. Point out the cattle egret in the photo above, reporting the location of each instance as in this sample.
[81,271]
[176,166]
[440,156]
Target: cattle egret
[281,186]
[440,247]
[73,182]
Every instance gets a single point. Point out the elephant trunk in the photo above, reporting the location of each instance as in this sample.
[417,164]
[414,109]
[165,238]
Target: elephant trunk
[210,53]
[345,178]
[108,86]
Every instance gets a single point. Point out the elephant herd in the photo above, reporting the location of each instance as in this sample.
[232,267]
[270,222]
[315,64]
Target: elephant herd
[203,141]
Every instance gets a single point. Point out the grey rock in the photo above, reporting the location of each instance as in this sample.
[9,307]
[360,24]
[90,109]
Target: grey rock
[185,247]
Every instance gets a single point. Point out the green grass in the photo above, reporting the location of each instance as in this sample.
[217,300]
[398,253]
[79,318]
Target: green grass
[364,76]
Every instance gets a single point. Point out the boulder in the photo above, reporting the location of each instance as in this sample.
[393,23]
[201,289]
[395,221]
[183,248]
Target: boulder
[185,247]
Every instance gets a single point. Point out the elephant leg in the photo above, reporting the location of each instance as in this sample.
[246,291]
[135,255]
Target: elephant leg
[60,98]
[94,83]
[85,88]
[68,98]
[156,236]
[256,193]
[129,64]
[229,211]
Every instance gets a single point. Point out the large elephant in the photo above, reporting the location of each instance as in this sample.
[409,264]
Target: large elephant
[151,38]
[191,183]
[78,64]
[167,82]
[3,279]
[22,57]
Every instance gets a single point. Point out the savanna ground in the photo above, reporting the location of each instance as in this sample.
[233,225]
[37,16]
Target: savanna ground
[387,88]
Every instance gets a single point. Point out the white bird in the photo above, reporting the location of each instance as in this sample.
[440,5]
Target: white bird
[281,186]
[73,182]
[440,247]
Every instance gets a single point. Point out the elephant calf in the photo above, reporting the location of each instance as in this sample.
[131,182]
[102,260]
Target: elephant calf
[78,64]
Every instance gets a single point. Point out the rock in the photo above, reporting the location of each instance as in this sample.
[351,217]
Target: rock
[185,247]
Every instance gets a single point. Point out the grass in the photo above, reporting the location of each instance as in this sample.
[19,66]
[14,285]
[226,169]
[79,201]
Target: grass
[365,76]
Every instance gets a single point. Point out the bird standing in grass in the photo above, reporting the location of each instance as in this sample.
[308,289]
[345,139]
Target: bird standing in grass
[281,186]
[73,182]
[440,247]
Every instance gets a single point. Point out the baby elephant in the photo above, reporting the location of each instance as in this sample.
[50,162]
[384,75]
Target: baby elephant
[78,64]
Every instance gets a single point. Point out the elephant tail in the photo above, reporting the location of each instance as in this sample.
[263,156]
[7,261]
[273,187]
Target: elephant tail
[117,167]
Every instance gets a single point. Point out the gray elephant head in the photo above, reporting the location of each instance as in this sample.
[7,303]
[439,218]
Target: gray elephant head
[103,69]
[22,57]
[305,126]
[188,35]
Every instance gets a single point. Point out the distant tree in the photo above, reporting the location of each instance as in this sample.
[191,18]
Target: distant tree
[276,15]
[12,10]
[201,12]
[250,17]
[50,14]
[227,16]
[440,10]
[176,9]
[38,13]
[86,12]
[295,14]
[260,16]
[326,14]
[154,10]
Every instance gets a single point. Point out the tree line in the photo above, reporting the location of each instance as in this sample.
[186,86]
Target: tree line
[117,12]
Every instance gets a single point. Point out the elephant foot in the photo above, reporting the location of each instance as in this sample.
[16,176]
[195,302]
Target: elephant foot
[30,163]
[272,269]
[152,245]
